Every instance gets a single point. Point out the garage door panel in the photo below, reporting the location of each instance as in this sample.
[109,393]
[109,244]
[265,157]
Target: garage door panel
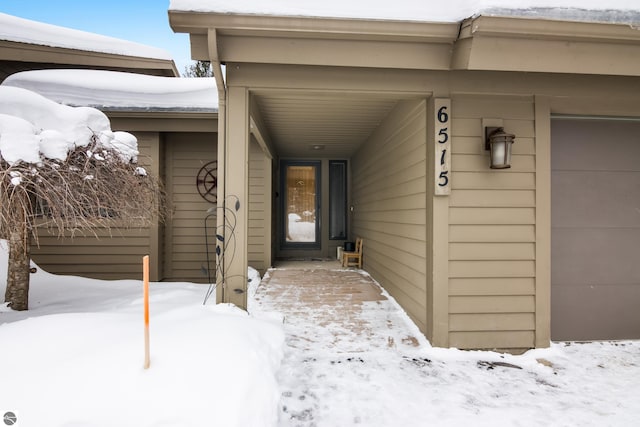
[598,312]
[597,145]
[595,229]
[595,199]
[595,256]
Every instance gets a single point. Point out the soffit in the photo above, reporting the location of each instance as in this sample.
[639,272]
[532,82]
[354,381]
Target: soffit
[338,122]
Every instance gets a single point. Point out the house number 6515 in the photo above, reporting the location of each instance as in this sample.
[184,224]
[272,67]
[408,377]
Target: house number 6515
[442,146]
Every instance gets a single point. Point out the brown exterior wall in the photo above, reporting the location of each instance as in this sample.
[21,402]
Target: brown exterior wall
[115,255]
[492,228]
[184,243]
[388,195]
[259,250]
[491,216]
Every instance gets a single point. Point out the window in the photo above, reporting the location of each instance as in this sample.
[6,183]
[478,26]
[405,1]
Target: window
[337,199]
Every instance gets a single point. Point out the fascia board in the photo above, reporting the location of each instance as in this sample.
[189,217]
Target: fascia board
[307,27]
[27,52]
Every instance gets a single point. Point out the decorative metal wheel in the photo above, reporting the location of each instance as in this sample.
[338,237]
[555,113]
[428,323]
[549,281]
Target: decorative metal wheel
[207,182]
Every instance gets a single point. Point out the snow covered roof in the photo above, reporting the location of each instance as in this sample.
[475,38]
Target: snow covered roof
[112,90]
[22,30]
[33,127]
[620,11]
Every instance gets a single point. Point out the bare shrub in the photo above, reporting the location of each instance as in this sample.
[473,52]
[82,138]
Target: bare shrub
[94,188]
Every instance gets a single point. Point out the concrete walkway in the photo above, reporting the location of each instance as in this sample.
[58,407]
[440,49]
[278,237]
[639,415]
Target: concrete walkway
[353,358]
[335,319]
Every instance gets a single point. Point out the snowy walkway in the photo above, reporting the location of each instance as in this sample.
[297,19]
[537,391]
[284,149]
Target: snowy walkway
[353,357]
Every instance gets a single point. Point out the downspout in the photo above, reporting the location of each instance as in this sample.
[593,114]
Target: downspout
[222,152]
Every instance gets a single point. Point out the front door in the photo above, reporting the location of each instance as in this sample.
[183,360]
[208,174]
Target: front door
[300,204]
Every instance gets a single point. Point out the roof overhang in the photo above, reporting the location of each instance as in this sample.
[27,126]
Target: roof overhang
[307,27]
[163,121]
[488,43]
[539,45]
[21,56]
[318,41]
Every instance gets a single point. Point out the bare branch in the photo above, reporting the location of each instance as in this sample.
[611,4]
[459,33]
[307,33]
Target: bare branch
[93,188]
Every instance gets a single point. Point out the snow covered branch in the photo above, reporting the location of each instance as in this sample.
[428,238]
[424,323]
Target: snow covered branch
[64,169]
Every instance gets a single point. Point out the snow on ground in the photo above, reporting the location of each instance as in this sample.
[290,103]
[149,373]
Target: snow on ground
[588,385]
[404,10]
[118,90]
[22,30]
[76,357]
[368,374]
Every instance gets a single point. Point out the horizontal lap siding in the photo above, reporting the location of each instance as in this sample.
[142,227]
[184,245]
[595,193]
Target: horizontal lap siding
[185,256]
[492,229]
[106,257]
[258,217]
[389,197]
[114,254]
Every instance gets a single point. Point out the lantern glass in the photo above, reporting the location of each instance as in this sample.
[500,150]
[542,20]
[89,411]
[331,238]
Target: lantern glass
[500,144]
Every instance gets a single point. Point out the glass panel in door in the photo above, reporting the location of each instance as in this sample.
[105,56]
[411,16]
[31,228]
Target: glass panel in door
[301,203]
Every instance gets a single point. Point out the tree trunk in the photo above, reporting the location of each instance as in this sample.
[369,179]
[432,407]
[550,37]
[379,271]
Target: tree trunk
[17,293]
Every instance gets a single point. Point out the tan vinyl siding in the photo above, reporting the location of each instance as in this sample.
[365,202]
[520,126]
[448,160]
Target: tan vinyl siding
[388,193]
[184,243]
[502,339]
[115,254]
[116,257]
[492,228]
[259,232]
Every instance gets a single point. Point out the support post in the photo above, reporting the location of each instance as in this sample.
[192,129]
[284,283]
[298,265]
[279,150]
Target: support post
[236,196]
[438,282]
[543,221]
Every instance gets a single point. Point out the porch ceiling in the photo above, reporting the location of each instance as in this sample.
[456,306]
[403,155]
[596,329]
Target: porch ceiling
[338,122]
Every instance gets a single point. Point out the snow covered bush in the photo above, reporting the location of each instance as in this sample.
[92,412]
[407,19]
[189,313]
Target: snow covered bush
[64,168]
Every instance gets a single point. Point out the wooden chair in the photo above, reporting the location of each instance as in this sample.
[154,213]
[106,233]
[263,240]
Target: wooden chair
[353,259]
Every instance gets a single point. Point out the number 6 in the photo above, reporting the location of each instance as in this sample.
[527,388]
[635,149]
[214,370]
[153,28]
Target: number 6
[443,117]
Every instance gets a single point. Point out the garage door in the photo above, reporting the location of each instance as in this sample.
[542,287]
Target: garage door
[595,236]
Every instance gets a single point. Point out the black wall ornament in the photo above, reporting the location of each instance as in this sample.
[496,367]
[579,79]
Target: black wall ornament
[207,182]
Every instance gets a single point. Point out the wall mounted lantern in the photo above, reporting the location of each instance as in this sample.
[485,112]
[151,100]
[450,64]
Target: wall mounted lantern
[499,143]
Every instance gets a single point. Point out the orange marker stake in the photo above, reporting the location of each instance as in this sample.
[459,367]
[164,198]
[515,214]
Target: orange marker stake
[145,278]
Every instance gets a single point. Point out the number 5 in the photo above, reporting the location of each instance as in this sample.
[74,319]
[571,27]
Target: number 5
[445,136]
[443,175]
